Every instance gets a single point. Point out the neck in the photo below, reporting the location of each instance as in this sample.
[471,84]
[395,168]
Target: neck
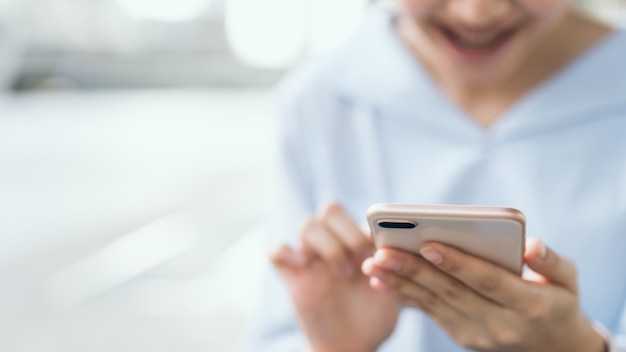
[485,102]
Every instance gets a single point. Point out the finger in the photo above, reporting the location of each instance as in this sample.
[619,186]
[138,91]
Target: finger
[319,242]
[422,273]
[287,261]
[378,285]
[284,255]
[487,279]
[341,225]
[546,262]
[399,286]
[410,293]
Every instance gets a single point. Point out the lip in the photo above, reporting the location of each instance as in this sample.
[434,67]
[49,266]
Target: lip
[476,54]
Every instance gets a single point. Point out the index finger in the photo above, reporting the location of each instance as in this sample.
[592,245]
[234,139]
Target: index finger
[339,222]
[486,278]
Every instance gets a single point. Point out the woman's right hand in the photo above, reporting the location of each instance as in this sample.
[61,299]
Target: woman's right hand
[336,306]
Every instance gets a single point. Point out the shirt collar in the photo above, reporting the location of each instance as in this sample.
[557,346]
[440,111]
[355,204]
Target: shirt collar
[386,74]
[594,82]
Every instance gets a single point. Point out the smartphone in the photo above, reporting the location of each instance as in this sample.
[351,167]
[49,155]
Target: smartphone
[496,234]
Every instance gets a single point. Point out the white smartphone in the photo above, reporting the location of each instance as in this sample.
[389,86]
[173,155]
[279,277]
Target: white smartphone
[496,234]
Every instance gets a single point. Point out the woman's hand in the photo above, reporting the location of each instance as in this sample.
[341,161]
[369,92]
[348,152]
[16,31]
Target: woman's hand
[487,308]
[337,309]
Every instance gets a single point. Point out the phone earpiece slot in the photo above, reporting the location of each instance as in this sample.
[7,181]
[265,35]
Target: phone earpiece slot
[395,224]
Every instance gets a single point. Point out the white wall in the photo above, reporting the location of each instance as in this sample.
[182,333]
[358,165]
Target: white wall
[126,216]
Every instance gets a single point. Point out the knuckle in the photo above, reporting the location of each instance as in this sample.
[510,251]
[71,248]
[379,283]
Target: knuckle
[307,227]
[432,301]
[330,211]
[334,254]
[456,291]
[508,337]
[411,269]
[490,283]
[537,312]
[394,283]
[451,266]
[360,244]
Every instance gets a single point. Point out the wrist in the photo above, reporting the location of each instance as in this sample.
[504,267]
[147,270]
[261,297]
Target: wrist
[579,336]
[606,336]
[587,339]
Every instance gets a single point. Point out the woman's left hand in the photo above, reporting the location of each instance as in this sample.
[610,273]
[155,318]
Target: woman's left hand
[485,307]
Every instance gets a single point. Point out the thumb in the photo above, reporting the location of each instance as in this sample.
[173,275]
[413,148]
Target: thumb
[546,262]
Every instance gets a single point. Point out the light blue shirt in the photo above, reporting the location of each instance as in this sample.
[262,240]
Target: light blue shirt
[367,125]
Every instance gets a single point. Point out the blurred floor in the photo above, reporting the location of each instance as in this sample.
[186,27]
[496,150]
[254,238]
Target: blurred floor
[131,221]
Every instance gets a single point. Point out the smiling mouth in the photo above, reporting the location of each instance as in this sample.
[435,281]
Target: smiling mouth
[477,43]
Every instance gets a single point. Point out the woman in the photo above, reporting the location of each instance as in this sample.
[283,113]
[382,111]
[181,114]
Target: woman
[517,103]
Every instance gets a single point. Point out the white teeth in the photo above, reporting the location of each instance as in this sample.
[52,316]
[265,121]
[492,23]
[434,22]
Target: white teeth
[477,41]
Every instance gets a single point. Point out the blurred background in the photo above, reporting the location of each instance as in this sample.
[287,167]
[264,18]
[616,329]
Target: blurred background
[136,147]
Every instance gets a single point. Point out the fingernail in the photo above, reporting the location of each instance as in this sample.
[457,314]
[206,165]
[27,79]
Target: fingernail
[432,255]
[378,284]
[387,262]
[543,251]
[367,266]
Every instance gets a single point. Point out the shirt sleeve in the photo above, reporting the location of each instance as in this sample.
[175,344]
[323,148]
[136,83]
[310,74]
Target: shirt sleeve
[611,344]
[274,326]
[615,338]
